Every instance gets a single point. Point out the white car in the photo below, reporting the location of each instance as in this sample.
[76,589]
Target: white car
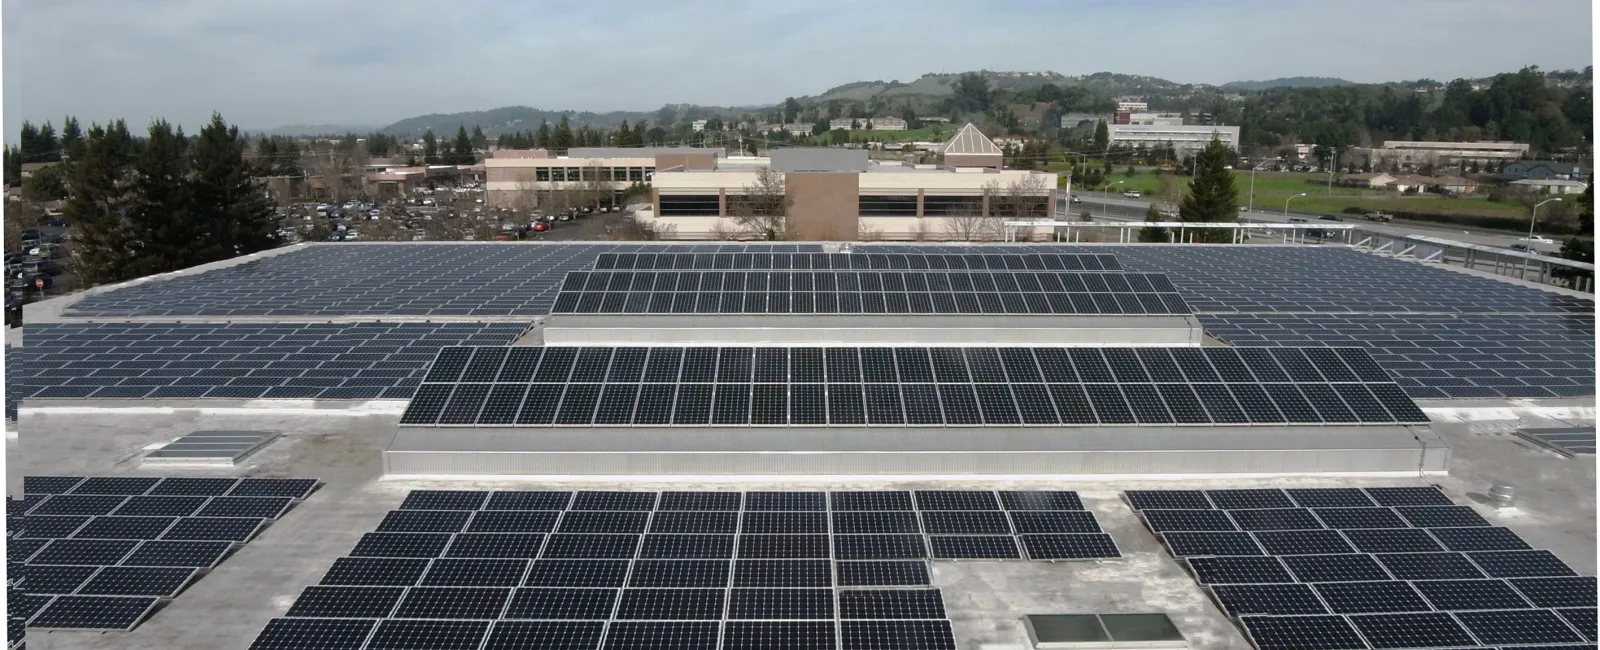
[1538,239]
[1131,194]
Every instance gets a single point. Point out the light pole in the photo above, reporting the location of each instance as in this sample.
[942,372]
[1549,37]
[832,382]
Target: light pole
[1535,218]
[1253,168]
[1286,202]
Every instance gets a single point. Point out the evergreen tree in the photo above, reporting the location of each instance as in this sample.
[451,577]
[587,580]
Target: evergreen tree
[71,138]
[164,232]
[430,148]
[561,138]
[1153,234]
[1212,198]
[13,166]
[230,207]
[463,148]
[1102,136]
[542,138]
[266,154]
[479,141]
[640,131]
[50,148]
[98,206]
[623,136]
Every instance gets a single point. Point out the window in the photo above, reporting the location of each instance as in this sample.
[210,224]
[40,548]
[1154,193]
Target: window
[605,173]
[689,205]
[558,174]
[888,206]
[948,206]
[573,174]
[635,173]
[1021,207]
[542,174]
[649,173]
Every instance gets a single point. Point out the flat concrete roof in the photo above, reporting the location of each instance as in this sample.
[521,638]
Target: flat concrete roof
[985,600]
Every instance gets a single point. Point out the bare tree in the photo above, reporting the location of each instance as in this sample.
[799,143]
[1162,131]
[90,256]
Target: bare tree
[721,230]
[972,222]
[342,168]
[594,190]
[762,209]
[1025,199]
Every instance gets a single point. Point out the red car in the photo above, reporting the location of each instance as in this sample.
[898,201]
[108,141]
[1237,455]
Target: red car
[541,226]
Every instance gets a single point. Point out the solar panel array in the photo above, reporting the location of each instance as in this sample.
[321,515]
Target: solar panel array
[1443,355]
[729,570]
[762,260]
[102,552]
[1387,567]
[867,292]
[738,386]
[373,279]
[236,360]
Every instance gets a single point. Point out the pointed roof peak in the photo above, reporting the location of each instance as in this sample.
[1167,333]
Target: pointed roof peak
[969,141]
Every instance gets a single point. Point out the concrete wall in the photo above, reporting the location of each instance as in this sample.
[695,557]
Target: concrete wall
[989,160]
[825,206]
[696,161]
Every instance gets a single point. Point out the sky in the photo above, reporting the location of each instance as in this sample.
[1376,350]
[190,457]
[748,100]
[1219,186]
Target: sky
[270,63]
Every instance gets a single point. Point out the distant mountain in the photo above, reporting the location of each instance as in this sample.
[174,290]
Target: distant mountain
[508,119]
[1287,82]
[317,129]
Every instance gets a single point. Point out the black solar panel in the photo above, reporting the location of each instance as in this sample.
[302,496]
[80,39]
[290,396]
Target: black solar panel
[329,633]
[780,604]
[561,603]
[1070,546]
[1414,630]
[555,635]
[896,635]
[94,612]
[578,573]
[894,573]
[375,571]
[1238,570]
[346,602]
[1302,632]
[1277,599]
[891,604]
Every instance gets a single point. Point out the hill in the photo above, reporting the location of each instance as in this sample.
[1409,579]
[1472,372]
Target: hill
[1286,82]
[316,129]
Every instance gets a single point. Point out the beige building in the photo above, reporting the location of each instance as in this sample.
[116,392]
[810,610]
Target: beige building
[533,178]
[839,195]
[1418,152]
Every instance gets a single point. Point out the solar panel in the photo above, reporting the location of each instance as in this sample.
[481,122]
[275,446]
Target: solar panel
[875,547]
[375,571]
[508,521]
[578,573]
[528,500]
[121,485]
[51,579]
[896,635]
[1479,539]
[561,603]
[1041,500]
[346,602]
[759,635]
[593,500]
[1347,567]
[555,635]
[679,573]
[1188,544]
[452,572]
[1441,516]
[496,545]
[780,604]
[402,545]
[161,582]
[973,547]
[1418,630]
[1359,517]
[891,604]
[772,547]
[1238,570]
[1302,632]
[671,604]
[194,486]
[94,612]
[965,523]
[1167,499]
[1470,594]
[1160,521]
[956,500]
[453,602]
[1391,540]
[889,573]
[1557,592]
[684,635]
[783,573]
[229,529]
[78,504]
[1581,619]
[603,521]
[1070,546]
[298,633]
[1429,566]
[1520,564]
[1371,597]
[1284,599]
[402,634]
[1518,626]
[687,547]
[1054,521]
[590,546]
[258,507]
[1302,542]
[785,522]
[701,522]
[84,551]
[444,500]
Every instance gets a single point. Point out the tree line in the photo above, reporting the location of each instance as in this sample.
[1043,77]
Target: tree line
[562,136]
[156,203]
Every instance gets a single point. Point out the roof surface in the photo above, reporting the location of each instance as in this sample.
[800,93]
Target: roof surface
[970,141]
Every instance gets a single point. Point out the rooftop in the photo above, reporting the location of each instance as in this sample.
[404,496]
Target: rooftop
[329,344]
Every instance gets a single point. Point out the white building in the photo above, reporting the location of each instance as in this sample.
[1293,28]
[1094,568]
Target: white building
[1554,185]
[699,125]
[887,124]
[1182,138]
[1132,105]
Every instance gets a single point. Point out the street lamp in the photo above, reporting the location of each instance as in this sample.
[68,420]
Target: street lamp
[1535,218]
[1286,202]
[1253,169]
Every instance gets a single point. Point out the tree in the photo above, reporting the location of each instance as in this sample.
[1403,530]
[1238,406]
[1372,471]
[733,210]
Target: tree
[561,139]
[231,208]
[910,116]
[479,141]
[657,136]
[623,136]
[791,110]
[762,209]
[1130,172]
[541,139]
[714,124]
[463,148]
[48,183]
[50,149]
[1153,234]
[1578,248]
[71,138]
[163,229]
[430,148]
[13,166]
[820,127]
[1102,136]
[971,93]
[98,207]
[1212,197]
[971,221]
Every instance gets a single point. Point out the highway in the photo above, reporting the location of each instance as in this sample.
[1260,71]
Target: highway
[1114,206]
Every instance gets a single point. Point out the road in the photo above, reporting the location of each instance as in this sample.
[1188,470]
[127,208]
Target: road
[1115,206]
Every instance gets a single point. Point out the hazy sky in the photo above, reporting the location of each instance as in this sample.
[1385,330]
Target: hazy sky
[279,62]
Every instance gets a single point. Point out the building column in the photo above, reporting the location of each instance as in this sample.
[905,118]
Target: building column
[722,202]
[920,194]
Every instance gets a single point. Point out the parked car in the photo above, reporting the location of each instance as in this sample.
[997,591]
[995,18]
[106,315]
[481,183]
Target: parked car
[1377,216]
[1131,194]
[541,226]
[1330,217]
[1297,220]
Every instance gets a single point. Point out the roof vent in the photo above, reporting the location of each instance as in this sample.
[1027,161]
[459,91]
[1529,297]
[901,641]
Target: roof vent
[1102,631]
[224,448]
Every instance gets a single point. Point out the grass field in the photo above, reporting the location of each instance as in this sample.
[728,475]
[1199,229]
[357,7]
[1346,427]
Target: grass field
[1273,188]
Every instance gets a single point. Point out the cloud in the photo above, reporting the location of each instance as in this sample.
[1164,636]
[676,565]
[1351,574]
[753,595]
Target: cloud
[269,63]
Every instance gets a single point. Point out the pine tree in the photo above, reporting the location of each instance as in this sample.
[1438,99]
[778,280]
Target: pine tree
[229,206]
[98,207]
[622,137]
[640,130]
[71,138]
[464,149]
[50,149]
[561,138]
[13,166]
[1152,234]
[430,148]
[480,142]
[28,143]
[1102,136]
[163,229]
[1212,198]
[542,138]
